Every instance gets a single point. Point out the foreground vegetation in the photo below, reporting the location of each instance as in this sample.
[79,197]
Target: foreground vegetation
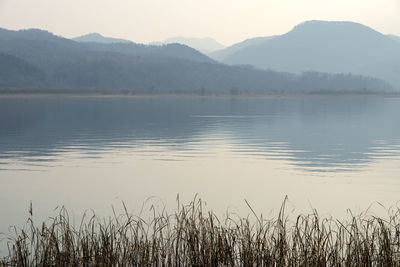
[194,237]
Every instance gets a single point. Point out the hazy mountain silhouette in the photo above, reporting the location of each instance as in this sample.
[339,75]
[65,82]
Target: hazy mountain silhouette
[18,72]
[224,53]
[98,38]
[394,37]
[19,43]
[335,47]
[119,67]
[204,45]
[168,50]
[28,34]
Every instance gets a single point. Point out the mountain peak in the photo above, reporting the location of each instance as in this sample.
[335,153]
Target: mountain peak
[324,23]
[204,45]
[31,34]
[98,38]
[93,34]
[331,27]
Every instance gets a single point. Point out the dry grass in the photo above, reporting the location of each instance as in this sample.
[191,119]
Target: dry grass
[192,237]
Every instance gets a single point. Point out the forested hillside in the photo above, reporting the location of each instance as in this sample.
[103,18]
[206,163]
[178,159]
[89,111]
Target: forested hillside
[39,59]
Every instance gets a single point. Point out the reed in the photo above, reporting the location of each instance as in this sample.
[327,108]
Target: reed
[194,237]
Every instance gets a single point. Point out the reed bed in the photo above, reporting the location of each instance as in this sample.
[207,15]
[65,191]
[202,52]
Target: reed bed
[193,237]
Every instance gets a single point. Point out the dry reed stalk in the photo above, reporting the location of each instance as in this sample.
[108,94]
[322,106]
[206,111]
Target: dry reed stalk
[193,237]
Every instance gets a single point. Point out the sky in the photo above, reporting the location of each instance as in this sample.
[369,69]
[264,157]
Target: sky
[227,21]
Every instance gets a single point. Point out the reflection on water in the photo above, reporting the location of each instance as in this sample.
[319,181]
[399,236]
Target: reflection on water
[331,153]
[314,134]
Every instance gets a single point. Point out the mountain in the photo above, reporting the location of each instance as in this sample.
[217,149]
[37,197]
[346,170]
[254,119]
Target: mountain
[204,45]
[37,46]
[323,46]
[167,50]
[225,52]
[27,34]
[16,72]
[394,37]
[98,38]
[49,63]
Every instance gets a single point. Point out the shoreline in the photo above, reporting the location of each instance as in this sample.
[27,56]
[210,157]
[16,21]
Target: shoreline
[172,95]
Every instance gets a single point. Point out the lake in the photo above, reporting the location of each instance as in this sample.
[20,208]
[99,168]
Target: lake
[329,153]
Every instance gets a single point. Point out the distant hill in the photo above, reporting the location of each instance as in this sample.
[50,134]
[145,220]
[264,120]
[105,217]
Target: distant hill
[226,52]
[167,50]
[204,45]
[27,34]
[49,63]
[34,45]
[394,37]
[16,72]
[98,38]
[323,46]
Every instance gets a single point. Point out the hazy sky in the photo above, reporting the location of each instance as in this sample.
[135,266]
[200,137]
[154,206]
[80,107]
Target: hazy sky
[228,21]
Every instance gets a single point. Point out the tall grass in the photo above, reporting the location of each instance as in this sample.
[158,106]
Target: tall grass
[192,237]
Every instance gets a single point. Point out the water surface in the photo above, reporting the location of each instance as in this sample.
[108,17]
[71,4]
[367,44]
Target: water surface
[331,153]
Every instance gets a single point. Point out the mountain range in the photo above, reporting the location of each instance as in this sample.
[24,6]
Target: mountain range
[203,45]
[39,59]
[323,46]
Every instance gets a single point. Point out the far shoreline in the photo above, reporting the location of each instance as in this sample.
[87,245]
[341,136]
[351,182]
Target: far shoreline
[193,95]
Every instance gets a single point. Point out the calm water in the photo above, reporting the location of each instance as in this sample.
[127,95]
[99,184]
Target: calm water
[331,153]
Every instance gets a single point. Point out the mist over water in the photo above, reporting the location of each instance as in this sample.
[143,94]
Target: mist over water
[332,153]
